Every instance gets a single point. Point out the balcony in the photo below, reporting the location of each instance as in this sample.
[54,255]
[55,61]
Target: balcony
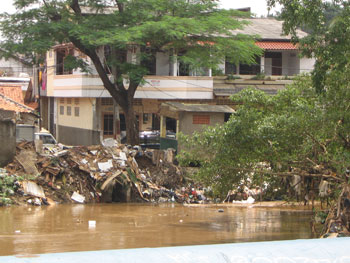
[155,87]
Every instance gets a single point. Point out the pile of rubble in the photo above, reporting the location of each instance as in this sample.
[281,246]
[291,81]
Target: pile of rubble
[101,173]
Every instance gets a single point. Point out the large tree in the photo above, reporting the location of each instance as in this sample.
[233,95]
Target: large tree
[196,29]
[302,131]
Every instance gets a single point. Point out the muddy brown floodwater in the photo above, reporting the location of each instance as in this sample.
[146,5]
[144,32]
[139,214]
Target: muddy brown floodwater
[63,228]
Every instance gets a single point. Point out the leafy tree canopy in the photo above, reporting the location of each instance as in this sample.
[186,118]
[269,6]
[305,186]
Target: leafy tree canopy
[196,29]
[303,130]
[296,132]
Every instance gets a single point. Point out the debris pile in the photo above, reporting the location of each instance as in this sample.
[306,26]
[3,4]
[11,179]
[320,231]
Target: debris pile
[100,173]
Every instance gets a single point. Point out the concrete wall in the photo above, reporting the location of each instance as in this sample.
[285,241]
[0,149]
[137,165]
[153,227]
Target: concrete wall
[306,64]
[293,65]
[290,64]
[76,130]
[13,68]
[85,118]
[163,66]
[7,141]
[77,136]
[187,126]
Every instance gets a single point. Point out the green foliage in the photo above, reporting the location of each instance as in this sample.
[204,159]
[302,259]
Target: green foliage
[232,77]
[328,42]
[198,32]
[297,131]
[259,76]
[153,25]
[7,188]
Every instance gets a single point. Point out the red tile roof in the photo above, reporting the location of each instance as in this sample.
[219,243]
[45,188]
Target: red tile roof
[13,92]
[276,45]
[11,98]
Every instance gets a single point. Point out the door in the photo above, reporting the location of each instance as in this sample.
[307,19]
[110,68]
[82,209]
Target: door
[276,59]
[108,131]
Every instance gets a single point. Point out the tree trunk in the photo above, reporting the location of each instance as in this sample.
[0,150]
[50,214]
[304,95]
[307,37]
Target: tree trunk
[132,128]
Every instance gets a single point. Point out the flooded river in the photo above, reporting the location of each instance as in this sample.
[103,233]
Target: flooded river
[63,228]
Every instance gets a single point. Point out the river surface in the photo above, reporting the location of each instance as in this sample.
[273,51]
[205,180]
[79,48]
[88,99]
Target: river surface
[63,228]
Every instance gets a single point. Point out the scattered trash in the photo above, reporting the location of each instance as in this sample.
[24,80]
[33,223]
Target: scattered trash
[31,188]
[78,198]
[37,202]
[92,224]
[100,173]
[17,231]
[105,167]
[221,210]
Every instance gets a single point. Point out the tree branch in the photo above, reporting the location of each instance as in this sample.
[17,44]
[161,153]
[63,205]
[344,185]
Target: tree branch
[301,173]
[120,6]
[76,7]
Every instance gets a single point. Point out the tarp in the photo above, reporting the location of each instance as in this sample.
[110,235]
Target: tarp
[297,251]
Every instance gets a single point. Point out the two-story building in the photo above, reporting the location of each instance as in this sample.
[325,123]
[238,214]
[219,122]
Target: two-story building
[80,111]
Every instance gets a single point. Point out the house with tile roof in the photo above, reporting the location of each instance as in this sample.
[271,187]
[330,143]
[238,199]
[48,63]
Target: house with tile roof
[11,99]
[78,110]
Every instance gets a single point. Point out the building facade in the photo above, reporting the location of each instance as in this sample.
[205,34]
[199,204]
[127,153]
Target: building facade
[78,110]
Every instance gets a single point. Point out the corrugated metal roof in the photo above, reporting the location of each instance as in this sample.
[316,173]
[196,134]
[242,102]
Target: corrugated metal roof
[273,45]
[177,106]
[266,28]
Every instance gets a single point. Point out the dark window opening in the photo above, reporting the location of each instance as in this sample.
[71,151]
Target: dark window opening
[227,117]
[170,124]
[230,68]
[276,59]
[150,63]
[122,122]
[108,124]
[155,122]
[253,69]
[61,54]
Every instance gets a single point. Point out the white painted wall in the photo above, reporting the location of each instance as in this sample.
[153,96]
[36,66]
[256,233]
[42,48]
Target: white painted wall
[162,87]
[13,68]
[163,66]
[285,63]
[268,66]
[221,66]
[293,63]
[306,64]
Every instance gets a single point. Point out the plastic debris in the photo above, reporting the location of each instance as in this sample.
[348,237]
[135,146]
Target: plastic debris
[78,198]
[31,188]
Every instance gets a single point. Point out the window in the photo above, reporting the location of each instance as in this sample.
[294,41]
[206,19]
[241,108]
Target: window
[106,101]
[76,111]
[76,101]
[108,124]
[276,62]
[69,110]
[69,101]
[145,118]
[61,110]
[149,62]
[201,119]
[47,139]
[62,100]
[230,68]
[61,55]
[253,69]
